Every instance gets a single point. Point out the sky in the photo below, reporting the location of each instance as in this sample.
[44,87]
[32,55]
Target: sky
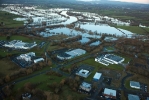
[135,1]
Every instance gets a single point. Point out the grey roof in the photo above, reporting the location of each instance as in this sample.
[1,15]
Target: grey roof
[110,92]
[133,83]
[133,97]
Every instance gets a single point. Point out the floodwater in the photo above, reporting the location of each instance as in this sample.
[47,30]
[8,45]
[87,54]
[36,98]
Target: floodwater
[66,31]
[95,43]
[103,28]
[84,40]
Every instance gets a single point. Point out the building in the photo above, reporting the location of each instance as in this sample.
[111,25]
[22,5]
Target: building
[38,60]
[27,56]
[26,96]
[133,97]
[71,54]
[109,59]
[109,93]
[134,84]
[18,44]
[97,76]
[86,86]
[83,73]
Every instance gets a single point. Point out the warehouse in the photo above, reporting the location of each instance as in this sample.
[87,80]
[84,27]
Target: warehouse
[86,86]
[71,54]
[109,93]
[17,44]
[133,97]
[134,84]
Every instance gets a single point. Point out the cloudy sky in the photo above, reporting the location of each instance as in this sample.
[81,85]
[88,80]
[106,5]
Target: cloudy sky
[136,1]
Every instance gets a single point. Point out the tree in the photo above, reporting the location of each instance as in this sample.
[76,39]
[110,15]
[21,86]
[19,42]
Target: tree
[7,78]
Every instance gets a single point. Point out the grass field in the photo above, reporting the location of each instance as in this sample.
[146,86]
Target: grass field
[134,29]
[7,19]
[45,79]
[19,37]
[6,64]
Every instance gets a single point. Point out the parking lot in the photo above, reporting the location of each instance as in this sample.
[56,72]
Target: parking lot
[107,81]
[2,42]
[143,87]
[41,44]
[21,63]
[86,67]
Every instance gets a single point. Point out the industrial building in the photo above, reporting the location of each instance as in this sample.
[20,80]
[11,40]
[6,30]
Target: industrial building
[71,54]
[18,44]
[109,59]
[38,60]
[134,84]
[27,56]
[97,76]
[109,93]
[86,86]
[83,73]
[133,97]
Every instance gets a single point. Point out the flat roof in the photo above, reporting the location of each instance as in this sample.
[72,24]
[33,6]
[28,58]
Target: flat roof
[83,71]
[134,83]
[113,57]
[76,52]
[86,85]
[133,97]
[110,92]
[97,75]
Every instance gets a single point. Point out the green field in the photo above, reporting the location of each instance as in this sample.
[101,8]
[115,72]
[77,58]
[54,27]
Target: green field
[7,19]
[45,79]
[134,29]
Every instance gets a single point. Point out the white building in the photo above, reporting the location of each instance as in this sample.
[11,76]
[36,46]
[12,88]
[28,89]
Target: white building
[38,60]
[83,73]
[86,86]
[109,93]
[133,97]
[27,56]
[71,54]
[17,44]
[134,84]
[109,59]
[97,76]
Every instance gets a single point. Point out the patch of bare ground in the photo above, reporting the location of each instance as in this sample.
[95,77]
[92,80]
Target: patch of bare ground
[115,75]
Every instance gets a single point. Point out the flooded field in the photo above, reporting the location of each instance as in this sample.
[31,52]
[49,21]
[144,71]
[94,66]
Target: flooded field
[39,18]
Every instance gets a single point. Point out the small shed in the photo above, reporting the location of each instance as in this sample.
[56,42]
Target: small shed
[97,76]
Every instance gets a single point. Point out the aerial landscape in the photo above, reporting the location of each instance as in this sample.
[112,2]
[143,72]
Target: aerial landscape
[74,50]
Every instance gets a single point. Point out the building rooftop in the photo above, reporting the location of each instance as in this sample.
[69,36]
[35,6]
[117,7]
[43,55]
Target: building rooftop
[86,86]
[110,92]
[133,97]
[134,84]
[97,75]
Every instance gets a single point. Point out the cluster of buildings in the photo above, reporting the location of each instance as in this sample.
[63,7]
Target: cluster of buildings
[109,59]
[18,44]
[28,57]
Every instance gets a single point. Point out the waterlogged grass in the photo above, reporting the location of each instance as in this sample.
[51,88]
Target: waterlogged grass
[7,19]
[134,29]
